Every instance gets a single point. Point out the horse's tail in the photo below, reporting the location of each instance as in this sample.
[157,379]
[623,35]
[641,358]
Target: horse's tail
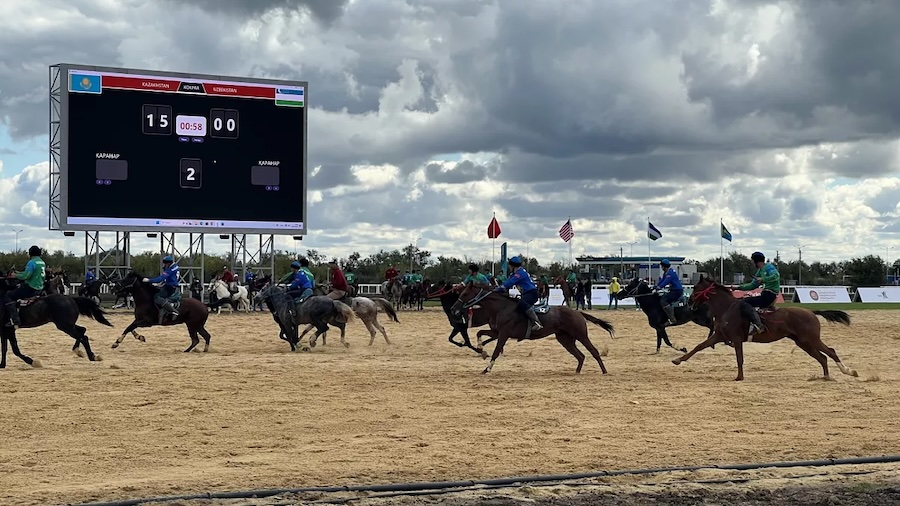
[602,323]
[834,316]
[388,308]
[345,310]
[88,307]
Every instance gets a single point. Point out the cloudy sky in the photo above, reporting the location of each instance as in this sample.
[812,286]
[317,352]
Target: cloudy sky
[429,115]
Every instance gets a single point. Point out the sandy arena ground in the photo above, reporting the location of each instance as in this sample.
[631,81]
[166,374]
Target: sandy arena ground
[151,420]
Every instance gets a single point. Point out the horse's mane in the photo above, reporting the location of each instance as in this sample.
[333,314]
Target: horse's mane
[716,284]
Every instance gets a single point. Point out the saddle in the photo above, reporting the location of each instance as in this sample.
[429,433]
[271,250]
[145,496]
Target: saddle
[29,301]
[175,299]
[541,307]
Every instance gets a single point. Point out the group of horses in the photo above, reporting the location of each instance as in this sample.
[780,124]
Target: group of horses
[711,305]
[411,295]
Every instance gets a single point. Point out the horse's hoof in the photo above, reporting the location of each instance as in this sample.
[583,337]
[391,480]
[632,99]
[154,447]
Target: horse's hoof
[141,338]
[305,348]
[484,371]
[739,379]
[80,354]
[114,346]
[683,350]
[677,361]
[37,364]
[346,345]
[98,358]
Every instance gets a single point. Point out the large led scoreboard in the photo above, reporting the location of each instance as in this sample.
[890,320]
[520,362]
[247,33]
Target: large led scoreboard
[142,150]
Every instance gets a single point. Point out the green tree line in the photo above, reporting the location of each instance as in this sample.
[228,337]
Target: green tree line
[869,270]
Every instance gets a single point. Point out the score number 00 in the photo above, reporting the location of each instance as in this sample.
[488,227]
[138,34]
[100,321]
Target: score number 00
[224,123]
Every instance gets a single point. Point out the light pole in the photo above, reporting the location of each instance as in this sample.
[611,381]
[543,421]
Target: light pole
[528,258]
[800,265]
[412,253]
[17,238]
[887,262]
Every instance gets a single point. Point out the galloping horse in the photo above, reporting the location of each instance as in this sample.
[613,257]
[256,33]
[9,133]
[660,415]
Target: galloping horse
[798,324]
[568,325]
[448,294]
[60,309]
[224,295]
[366,309]
[191,312]
[649,302]
[318,310]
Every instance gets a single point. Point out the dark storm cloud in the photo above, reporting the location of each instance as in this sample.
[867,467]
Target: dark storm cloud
[324,10]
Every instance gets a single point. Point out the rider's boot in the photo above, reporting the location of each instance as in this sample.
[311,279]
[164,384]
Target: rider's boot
[535,322]
[13,311]
[167,309]
[670,313]
[756,326]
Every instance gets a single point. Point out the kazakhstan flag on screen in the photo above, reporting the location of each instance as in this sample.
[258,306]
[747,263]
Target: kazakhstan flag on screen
[84,83]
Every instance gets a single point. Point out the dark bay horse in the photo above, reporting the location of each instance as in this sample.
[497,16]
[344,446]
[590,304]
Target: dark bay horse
[448,294]
[192,313]
[649,302]
[568,325]
[61,310]
[317,310]
[798,324]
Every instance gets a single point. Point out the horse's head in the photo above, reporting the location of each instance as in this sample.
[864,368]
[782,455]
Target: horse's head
[703,290]
[268,291]
[129,283]
[261,282]
[637,286]
[470,295]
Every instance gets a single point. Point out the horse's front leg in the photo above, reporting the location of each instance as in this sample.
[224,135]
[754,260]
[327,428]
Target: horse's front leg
[711,340]
[501,342]
[131,328]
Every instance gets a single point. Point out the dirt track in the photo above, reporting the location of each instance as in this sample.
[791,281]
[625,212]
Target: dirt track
[150,420]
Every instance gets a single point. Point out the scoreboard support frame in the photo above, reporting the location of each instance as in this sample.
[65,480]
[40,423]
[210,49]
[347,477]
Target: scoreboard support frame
[97,256]
[57,81]
[188,270]
[260,259]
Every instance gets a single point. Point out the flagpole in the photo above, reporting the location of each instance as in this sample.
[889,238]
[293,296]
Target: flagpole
[649,262]
[494,250]
[721,253]
[571,263]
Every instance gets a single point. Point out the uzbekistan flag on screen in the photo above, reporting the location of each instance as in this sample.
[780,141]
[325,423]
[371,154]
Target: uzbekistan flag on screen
[290,97]
[84,83]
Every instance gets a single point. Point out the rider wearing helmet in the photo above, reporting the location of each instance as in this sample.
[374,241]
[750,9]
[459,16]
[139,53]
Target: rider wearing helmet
[521,279]
[769,278]
[169,278]
[476,277]
[33,276]
[670,279]
[301,286]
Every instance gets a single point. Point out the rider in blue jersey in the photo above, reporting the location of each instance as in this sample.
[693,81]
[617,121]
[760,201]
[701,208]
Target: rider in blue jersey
[169,278]
[676,290]
[529,294]
[301,286]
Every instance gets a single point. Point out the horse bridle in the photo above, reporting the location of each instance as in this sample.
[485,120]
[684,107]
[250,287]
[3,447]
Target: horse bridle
[702,293]
[482,294]
[631,293]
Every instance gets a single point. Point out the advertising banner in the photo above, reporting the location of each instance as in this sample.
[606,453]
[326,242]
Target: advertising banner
[821,294]
[881,294]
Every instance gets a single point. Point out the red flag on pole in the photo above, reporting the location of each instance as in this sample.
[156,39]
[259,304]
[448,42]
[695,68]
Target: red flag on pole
[493,229]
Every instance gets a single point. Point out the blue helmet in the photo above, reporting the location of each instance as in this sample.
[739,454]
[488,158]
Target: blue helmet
[168,259]
[665,261]
[295,264]
[758,257]
[515,260]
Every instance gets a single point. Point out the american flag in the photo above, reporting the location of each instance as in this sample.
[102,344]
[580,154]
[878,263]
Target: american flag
[566,232]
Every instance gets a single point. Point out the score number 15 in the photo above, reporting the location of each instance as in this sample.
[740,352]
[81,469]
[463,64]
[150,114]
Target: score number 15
[157,119]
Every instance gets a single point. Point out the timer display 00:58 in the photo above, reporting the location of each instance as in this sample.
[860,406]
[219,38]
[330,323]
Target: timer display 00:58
[194,126]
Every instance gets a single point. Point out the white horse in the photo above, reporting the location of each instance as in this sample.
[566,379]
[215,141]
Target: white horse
[242,297]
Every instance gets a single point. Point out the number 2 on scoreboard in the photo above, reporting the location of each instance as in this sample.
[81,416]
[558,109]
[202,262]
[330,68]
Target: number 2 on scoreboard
[157,119]
[191,173]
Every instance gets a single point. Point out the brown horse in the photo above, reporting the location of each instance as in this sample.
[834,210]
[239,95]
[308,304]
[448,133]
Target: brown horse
[568,325]
[730,325]
[568,295]
[192,312]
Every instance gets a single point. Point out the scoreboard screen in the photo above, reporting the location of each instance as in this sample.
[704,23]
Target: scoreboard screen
[159,151]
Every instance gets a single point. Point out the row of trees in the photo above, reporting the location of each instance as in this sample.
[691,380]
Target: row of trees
[865,271]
